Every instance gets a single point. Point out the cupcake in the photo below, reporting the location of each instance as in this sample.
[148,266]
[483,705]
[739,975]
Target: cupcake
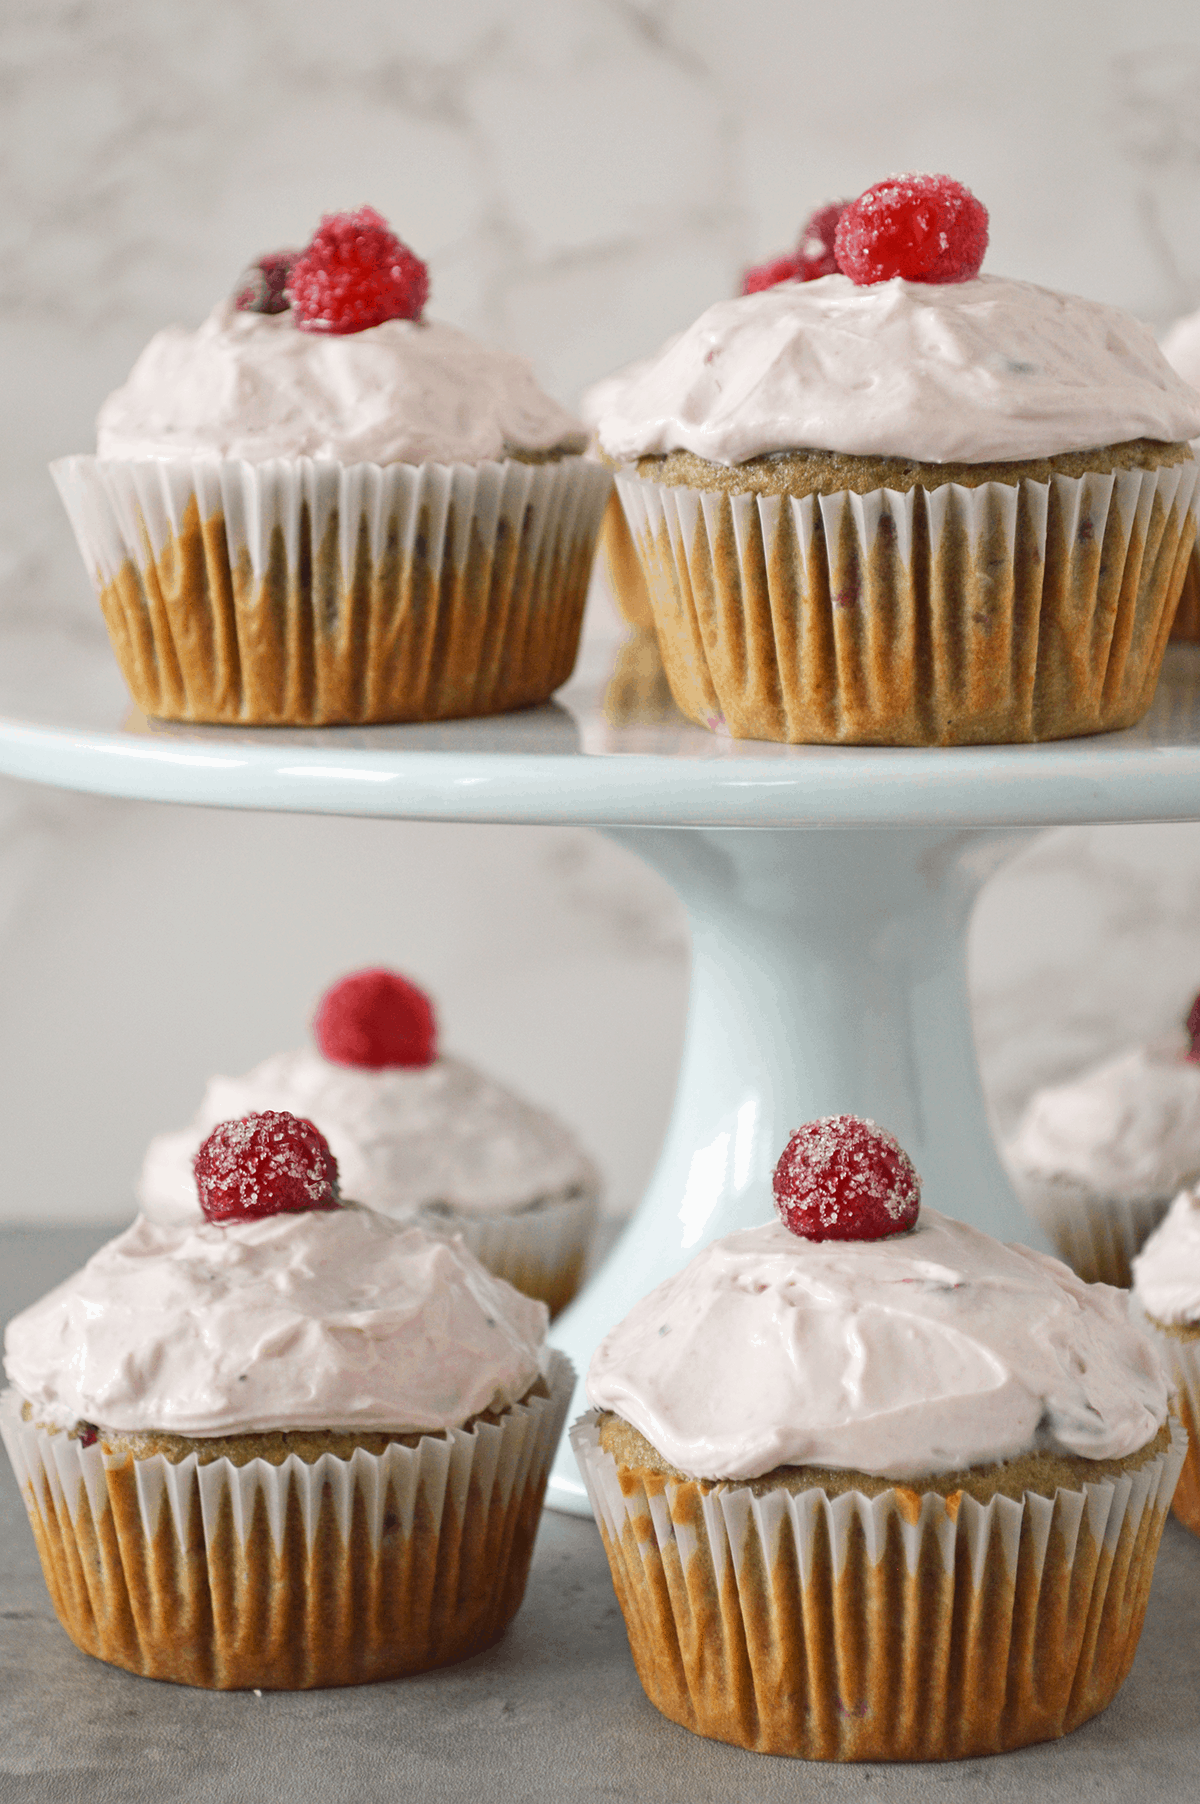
[1166,1292]
[320,507]
[909,504]
[872,1485]
[812,257]
[1181,348]
[1096,1160]
[419,1136]
[287,1444]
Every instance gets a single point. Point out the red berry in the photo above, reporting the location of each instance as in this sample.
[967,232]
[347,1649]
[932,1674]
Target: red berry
[261,287]
[1193,1031]
[355,273]
[843,1178]
[268,1163]
[769,275]
[926,228]
[376,1018]
[815,254]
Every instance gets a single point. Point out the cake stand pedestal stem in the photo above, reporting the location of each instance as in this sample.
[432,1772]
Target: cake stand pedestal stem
[828,977]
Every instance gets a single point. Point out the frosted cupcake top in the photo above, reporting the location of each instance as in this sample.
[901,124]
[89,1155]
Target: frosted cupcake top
[1166,1273]
[1128,1128]
[402,1136]
[254,386]
[977,371]
[333,1319]
[921,1353]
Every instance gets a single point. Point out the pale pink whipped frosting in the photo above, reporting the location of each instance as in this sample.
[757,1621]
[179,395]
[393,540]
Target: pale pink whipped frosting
[253,386]
[329,1319]
[1181,347]
[403,1138]
[902,1357]
[980,371]
[1127,1129]
[1166,1273]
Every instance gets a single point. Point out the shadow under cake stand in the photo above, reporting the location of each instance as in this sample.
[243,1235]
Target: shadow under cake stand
[828,891]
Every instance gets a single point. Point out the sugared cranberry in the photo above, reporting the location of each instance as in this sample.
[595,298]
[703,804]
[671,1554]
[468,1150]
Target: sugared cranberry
[261,287]
[769,275]
[1193,1031]
[376,1018]
[843,1178]
[815,255]
[926,228]
[354,274]
[268,1163]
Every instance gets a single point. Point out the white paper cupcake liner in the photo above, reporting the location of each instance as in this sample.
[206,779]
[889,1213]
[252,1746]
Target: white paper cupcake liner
[305,592]
[540,1250]
[903,1626]
[1097,1236]
[1007,612]
[1182,1359]
[297,1575]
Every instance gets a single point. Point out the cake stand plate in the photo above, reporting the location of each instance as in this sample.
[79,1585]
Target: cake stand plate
[828,890]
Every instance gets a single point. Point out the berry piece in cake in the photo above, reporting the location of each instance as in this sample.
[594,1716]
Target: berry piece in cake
[1192,1024]
[268,1163]
[376,1019]
[355,274]
[815,255]
[843,1178]
[925,228]
[261,288]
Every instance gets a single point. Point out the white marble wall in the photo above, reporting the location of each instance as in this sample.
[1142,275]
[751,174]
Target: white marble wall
[582,176]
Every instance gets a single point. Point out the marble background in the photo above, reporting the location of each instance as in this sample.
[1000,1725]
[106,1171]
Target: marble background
[582,175]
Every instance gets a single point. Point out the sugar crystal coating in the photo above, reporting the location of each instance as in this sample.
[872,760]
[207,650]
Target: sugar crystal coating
[267,1163]
[924,228]
[355,273]
[843,1178]
[376,1019]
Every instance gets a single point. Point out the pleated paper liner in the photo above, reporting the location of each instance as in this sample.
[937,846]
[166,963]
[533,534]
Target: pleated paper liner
[309,593]
[899,1627]
[1186,626]
[540,1250]
[1180,1353]
[622,567]
[286,1577]
[1097,1236]
[953,616]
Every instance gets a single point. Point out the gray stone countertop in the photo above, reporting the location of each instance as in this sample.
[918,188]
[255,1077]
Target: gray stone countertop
[554,1712]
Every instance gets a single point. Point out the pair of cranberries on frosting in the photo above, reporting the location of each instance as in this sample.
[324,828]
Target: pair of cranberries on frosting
[353,274]
[922,228]
[843,1178]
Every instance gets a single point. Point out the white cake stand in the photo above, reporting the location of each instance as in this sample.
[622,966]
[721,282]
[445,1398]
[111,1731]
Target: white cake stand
[828,890]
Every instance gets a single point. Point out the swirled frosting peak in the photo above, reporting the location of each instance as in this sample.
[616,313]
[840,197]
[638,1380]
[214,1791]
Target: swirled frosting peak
[252,385]
[979,371]
[923,1353]
[331,1319]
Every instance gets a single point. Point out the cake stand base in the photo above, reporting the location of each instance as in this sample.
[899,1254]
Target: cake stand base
[828,977]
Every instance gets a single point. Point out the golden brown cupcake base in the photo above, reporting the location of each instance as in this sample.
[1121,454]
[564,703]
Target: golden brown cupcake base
[316,1570]
[1182,1347]
[310,594]
[908,1627]
[890,612]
